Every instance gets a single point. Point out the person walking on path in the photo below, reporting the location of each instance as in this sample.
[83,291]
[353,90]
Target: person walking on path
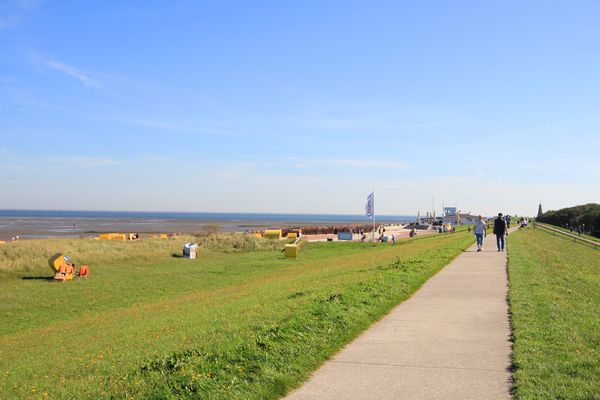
[480,232]
[500,231]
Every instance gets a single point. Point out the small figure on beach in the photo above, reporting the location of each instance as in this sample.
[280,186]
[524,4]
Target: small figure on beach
[500,231]
[480,232]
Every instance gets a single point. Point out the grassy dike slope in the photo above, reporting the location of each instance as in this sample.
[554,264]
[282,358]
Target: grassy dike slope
[555,304]
[227,325]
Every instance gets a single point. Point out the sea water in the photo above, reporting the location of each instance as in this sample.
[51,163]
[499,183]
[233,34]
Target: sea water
[48,223]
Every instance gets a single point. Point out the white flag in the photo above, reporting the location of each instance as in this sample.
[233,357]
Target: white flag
[370,206]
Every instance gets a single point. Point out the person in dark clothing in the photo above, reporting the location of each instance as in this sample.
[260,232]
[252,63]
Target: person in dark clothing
[500,230]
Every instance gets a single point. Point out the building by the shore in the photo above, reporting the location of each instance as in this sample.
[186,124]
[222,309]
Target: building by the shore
[453,216]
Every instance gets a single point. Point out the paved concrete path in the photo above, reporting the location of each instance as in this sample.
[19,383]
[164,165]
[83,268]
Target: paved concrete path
[451,340]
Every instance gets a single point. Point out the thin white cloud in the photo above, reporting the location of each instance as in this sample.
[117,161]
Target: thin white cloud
[71,71]
[378,164]
[162,125]
[449,179]
[428,125]
[29,4]
[91,162]
[340,123]
[156,159]
[196,128]
[275,164]
[11,12]
[26,99]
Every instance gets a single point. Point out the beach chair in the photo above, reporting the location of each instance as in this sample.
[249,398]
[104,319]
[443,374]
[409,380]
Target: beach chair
[84,271]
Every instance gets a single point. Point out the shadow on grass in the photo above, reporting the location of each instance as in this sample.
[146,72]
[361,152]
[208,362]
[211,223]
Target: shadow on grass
[176,255]
[38,278]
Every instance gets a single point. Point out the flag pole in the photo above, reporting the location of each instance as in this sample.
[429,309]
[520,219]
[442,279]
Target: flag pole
[373,215]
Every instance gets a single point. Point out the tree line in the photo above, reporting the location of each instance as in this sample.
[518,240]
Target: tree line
[584,218]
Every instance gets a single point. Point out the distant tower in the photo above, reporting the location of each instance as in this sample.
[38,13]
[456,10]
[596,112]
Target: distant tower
[540,213]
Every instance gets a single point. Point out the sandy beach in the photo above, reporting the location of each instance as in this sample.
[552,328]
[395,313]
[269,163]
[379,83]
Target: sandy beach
[33,228]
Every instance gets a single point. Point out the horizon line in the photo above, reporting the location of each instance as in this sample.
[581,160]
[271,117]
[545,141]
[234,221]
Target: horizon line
[200,212]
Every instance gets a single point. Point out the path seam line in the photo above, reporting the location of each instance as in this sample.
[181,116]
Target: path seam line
[417,366]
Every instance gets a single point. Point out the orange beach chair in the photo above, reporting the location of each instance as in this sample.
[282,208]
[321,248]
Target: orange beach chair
[84,271]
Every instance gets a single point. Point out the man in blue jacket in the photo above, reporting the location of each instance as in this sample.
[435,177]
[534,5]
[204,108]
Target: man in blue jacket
[500,230]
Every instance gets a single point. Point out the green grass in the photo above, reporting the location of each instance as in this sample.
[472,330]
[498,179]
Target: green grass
[244,324]
[583,235]
[555,300]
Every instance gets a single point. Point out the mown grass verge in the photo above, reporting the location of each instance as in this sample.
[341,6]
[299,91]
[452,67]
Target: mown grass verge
[580,235]
[554,298]
[240,325]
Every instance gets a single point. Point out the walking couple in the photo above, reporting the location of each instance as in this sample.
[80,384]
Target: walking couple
[500,230]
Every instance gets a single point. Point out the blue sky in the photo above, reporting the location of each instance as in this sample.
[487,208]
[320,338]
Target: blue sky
[299,106]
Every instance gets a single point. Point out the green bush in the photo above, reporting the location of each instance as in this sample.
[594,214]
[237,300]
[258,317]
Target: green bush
[586,216]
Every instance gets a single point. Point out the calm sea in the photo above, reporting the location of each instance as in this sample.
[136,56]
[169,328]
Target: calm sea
[47,223]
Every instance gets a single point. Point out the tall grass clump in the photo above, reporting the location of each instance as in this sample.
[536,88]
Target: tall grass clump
[236,242]
[32,255]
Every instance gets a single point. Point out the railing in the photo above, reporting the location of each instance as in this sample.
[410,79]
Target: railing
[575,238]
